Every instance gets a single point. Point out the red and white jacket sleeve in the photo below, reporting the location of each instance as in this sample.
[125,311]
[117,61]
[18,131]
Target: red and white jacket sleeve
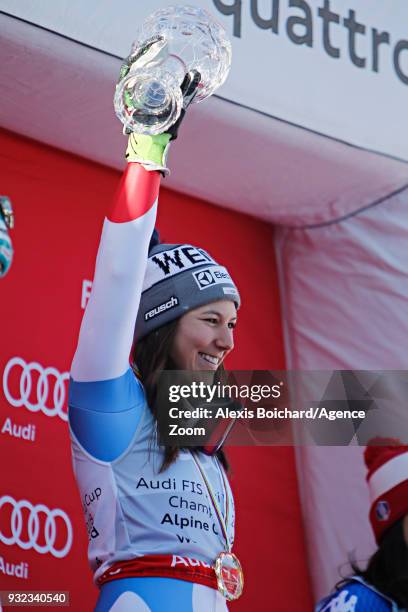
[107,328]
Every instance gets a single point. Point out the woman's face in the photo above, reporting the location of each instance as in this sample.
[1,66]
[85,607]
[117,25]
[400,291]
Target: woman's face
[205,336]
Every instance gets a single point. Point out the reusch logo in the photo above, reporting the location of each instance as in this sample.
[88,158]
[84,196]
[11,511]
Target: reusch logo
[154,312]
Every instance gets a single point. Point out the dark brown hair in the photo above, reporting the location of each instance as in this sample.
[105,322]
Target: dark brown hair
[150,356]
[387,568]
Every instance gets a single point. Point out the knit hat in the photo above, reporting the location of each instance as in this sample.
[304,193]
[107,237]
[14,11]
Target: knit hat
[387,463]
[179,278]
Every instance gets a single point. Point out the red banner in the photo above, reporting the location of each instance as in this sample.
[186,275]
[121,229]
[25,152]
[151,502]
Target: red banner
[60,202]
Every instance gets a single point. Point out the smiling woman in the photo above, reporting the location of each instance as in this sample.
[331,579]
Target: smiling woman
[178,307]
[195,333]
[205,336]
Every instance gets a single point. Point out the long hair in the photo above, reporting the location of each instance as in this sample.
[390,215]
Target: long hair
[150,356]
[387,569]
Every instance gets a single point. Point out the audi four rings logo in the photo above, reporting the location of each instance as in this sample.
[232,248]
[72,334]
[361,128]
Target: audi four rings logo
[51,404]
[28,531]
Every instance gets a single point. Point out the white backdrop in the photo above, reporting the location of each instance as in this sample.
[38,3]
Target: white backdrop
[336,67]
[344,290]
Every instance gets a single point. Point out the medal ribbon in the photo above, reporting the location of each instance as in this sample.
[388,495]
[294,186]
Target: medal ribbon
[223,524]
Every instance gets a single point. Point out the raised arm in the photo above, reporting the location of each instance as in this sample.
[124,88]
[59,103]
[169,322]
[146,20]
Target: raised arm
[106,401]
[107,327]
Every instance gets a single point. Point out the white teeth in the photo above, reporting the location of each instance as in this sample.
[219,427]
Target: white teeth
[210,358]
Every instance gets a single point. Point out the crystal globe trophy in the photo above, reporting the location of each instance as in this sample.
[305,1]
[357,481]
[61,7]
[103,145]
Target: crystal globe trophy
[170,43]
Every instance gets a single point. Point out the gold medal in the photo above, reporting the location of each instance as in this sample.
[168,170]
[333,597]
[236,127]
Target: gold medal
[230,577]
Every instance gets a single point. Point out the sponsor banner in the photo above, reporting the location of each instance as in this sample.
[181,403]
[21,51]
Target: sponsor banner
[44,292]
[265,408]
[36,388]
[35,526]
[337,67]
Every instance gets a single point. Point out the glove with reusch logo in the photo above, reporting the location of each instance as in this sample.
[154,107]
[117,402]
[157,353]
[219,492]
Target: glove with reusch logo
[6,223]
[151,151]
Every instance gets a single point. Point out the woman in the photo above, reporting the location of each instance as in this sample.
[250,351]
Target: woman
[157,517]
[383,585]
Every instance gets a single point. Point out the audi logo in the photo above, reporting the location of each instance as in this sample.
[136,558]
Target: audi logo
[41,392]
[28,531]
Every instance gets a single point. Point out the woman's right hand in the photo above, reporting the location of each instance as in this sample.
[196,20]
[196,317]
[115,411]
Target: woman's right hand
[151,151]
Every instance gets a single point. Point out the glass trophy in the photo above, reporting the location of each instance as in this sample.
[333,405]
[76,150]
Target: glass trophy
[170,43]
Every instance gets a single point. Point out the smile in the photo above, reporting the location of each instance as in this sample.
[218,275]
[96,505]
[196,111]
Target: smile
[213,360]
